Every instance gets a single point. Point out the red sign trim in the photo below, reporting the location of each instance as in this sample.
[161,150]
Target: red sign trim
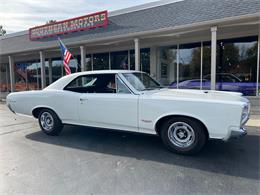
[104,24]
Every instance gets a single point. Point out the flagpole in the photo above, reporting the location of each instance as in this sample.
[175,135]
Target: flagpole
[78,65]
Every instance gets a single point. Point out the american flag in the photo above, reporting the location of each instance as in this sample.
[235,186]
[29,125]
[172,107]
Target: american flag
[66,57]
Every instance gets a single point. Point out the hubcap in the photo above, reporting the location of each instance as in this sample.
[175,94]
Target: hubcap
[46,120]
[181,134]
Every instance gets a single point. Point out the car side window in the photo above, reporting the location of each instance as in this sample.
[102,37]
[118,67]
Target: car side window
[121,88]
[83,81]
[96,83]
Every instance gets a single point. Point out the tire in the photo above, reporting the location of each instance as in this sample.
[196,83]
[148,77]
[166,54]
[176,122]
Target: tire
[49,122]
[183,135]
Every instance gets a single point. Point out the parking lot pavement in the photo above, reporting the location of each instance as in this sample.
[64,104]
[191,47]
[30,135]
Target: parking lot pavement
[89,161]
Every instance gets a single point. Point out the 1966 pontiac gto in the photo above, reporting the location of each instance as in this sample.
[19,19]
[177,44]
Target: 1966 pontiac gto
[133,101]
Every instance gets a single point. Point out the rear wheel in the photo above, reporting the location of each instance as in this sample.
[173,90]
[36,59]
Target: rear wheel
[49,122]
[183,135]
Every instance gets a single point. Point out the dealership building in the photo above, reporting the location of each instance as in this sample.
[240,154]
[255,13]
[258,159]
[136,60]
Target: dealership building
[198,44]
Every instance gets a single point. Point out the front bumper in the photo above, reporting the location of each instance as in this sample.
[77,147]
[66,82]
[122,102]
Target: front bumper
[238,133]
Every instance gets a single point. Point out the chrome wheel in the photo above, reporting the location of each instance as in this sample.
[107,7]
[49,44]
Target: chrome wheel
[46,121]
[181,134]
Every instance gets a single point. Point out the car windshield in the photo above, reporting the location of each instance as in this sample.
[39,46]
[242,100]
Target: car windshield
[142,81]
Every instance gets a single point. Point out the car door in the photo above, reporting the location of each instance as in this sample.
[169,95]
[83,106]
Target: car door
[109,109]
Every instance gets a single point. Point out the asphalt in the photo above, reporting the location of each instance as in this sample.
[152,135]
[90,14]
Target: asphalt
[93,161]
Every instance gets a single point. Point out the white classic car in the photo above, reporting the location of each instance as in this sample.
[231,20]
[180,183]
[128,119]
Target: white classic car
[133,101]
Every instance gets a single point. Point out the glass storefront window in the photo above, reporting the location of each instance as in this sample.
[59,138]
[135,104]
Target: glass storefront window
[168,64]
[237,65]
[73,66]
[119,60]
[132,59]
[189,66]
[144,60]
[206,66]
[88,65]
[57,69]
[101,61]
[47,69]
[27,75]
[20,74]
[4,78]
[235,71]
[34,75]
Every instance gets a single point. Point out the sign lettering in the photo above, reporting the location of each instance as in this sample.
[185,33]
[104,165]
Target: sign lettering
[86,22]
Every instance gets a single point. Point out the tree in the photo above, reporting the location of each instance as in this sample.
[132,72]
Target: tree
[2,31]
[50,21]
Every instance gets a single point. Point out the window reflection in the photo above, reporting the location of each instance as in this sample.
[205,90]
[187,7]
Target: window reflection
[206,66]
[47,69]
[132,59]
[235,71]
[144,60]
[168,60]
[27,75]
[88,65]
[189,65]
[236,65]
[101,61]
[119,60]
[57,69]
[73,66]
[4,78]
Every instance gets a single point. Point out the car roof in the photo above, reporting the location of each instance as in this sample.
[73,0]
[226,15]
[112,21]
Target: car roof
[104,72]
[62,82]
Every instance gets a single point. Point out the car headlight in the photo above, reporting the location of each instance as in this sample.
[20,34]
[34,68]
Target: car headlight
[245,114]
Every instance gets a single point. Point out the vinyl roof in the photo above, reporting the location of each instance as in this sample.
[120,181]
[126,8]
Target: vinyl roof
[164,15]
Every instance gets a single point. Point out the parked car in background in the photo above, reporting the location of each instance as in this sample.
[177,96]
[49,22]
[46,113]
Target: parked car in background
[133,101]
[225,82]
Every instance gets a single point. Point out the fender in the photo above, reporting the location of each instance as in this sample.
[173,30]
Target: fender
[179,114]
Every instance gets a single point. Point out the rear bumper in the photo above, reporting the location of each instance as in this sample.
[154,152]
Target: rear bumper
[10,108]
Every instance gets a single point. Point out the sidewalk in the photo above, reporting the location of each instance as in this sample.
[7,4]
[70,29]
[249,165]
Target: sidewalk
[253,122]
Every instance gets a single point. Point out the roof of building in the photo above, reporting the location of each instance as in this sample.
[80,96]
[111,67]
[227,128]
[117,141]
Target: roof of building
[162,15]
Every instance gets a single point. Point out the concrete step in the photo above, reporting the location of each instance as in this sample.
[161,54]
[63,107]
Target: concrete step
[254,107]
[255,117]
[255,112]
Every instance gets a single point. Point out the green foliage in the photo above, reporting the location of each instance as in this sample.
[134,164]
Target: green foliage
[51,22]
[2,31]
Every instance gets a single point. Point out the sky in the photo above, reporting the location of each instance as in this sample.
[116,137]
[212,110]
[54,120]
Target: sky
[18,15]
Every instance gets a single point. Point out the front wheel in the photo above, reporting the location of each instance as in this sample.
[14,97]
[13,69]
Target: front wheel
[183,135]
[50,122]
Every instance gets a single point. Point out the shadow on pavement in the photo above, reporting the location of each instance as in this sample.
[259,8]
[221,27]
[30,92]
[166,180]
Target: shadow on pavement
[235,158]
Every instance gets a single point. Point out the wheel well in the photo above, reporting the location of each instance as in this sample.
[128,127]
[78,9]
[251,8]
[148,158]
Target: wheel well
[37,111]
[161,120]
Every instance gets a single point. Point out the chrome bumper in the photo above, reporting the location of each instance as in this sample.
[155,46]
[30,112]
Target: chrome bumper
[238,133]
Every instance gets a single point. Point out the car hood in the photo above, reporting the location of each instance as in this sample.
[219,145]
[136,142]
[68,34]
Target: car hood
[204,95]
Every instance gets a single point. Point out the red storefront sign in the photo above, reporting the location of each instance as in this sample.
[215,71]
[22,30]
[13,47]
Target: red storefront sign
[99,19]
